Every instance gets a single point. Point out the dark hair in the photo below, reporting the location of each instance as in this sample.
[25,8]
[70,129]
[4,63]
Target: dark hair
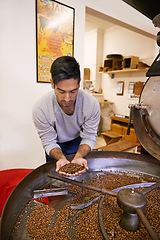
[65,68]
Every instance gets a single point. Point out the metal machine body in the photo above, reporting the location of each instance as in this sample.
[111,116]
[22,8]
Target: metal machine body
[149,8]
[97,162]
[146,116]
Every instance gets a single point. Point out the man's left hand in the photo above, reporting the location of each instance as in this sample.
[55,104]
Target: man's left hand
[80,161]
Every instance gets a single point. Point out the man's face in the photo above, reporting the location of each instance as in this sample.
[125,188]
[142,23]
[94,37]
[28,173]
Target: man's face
[66,92]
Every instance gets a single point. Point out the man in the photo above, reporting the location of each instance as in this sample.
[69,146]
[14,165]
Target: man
[67,118]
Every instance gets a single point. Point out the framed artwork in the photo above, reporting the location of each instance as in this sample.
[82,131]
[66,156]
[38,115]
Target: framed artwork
[54,35]
[120,88]
[131,87]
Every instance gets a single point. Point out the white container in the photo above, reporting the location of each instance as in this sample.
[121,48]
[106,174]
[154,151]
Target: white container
[98,96]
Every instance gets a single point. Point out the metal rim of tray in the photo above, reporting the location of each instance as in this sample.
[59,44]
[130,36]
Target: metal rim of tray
[38,179]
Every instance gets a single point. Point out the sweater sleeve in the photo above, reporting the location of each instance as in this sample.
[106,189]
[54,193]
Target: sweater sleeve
[91,122]
[45,129]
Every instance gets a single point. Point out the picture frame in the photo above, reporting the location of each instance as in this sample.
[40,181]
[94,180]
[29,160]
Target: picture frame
[120,88]
[131,87]
[54,35]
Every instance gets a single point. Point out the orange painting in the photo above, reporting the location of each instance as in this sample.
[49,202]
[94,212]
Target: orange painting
[55,35]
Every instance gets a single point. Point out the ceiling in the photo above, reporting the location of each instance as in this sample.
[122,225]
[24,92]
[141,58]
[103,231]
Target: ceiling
[150,8]
[93,22]
[96,19]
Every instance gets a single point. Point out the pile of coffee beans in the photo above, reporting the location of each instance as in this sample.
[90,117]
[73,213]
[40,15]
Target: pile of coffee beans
[69,223]
[71,168]
[39,220]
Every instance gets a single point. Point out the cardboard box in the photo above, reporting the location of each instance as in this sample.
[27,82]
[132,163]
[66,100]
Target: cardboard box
[131,62]
[86,73]
[113,63]
[138,88]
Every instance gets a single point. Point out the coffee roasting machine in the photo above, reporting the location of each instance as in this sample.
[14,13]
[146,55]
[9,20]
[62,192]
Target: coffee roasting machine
[146,118]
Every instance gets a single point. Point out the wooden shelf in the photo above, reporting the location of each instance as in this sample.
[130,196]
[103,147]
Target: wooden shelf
[120,125]
[105,102]
[126,70]
[121,146]
[115,119]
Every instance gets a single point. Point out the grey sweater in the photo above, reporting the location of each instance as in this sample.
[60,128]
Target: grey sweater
[54,126]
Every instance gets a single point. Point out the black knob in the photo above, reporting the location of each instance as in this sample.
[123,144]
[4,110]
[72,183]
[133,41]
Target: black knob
[158,39]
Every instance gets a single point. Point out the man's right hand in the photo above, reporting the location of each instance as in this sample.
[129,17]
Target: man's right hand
[57,153]
[60,163]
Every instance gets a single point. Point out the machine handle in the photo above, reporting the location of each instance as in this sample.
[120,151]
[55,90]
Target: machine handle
[130,118]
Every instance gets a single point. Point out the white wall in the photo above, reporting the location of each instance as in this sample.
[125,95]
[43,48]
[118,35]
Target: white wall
[20,146]
[128,43]
[93,55]
[90,47]
[119,40]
